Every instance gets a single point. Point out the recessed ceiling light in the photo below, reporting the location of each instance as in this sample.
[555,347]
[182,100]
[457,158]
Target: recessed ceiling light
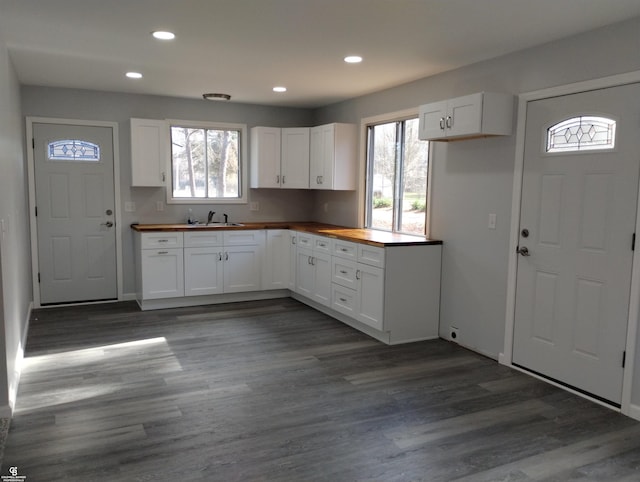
[279,89]
[353,59]
[216,96]
[163,35]
[134,75]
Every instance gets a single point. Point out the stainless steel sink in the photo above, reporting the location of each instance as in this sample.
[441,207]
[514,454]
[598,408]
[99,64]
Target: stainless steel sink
[213,225]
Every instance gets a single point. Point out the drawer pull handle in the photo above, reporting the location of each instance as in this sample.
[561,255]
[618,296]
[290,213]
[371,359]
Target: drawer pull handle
[163,252]
[343,300]
[163,240]
[343,271]
[344,250]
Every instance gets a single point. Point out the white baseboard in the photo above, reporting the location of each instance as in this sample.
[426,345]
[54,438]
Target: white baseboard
[7,410]
[128,297]
[634,411]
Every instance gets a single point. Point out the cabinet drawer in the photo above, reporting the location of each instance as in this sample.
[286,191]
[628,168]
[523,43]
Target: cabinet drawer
[305,240]
[345,249]
[371,255]
[344,300]
[203,239]
[161,240]
[343,272]
[243,238]
[322,244]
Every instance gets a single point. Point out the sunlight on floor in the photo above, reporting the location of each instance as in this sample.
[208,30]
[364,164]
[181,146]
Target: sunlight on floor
[90,373]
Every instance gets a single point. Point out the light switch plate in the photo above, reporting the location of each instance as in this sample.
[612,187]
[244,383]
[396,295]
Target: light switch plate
[129,207]
[254,206]
[159,206]
[492,221]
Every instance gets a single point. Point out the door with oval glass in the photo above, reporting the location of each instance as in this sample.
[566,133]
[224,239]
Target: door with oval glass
[75,219]
[575,253]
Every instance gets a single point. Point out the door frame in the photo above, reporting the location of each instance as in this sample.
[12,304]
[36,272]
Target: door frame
[506,357]
[35,265]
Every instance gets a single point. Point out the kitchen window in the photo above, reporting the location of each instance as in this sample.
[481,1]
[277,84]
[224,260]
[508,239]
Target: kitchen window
[207,162]
[397,173]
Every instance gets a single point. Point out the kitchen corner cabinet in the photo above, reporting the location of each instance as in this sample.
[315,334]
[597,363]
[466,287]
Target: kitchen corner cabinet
[476,115]
[149,151]
[277,260]
[280,157]
[333,157]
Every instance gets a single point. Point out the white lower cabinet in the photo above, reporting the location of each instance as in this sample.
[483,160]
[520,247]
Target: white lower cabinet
[313,275]
[241,269]
[163,273]
[203,271]
[276,271]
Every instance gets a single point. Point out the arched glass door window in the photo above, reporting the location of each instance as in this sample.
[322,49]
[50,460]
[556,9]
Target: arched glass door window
[581,133]
[73,150]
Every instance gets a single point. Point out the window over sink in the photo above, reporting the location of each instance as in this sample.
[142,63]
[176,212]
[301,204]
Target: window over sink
[208,162]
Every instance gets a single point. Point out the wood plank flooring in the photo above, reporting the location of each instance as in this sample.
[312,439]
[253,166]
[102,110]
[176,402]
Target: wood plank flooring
[276,391]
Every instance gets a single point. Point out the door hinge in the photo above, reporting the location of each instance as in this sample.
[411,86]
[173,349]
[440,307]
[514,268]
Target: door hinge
[624,357]
[38,277]
[633,242]
[36,211]
[33,143]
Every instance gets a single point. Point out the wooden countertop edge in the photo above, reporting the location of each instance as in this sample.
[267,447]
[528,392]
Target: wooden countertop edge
[363,236]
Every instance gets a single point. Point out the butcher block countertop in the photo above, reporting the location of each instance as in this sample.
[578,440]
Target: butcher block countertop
[366,236]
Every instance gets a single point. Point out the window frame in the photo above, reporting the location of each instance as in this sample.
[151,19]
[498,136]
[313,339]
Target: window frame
[243,164]
[363,197]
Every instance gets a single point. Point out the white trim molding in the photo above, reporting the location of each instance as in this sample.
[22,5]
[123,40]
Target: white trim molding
[506,357]
[32,196]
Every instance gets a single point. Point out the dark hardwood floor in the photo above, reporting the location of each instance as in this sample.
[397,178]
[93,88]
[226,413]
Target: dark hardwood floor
[275,391]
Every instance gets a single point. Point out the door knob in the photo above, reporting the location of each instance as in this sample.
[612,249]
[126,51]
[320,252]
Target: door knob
[524,251]
[108,224]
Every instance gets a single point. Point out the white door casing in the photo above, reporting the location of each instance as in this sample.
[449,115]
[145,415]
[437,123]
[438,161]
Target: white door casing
[89,183]
[572,297]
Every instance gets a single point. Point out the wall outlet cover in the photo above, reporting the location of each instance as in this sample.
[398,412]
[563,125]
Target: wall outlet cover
[454,334]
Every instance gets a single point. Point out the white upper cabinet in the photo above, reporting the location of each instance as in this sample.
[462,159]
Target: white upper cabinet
[294,159]
[475,115]
[149,151]
[280,157]
[333,159]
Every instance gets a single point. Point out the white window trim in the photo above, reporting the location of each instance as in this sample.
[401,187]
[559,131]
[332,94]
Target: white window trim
[365,122]
[244,164]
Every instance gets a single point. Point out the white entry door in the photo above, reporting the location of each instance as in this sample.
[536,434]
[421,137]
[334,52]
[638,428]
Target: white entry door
[578,212]
[75,213]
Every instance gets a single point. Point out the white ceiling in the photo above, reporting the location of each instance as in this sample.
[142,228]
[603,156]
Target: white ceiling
[245,47]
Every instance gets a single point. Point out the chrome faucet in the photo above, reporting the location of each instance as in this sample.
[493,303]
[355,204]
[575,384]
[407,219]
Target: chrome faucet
[210,217]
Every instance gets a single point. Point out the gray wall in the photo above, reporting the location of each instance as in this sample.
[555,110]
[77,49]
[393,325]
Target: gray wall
[15,260]
[474,178]
[275,204]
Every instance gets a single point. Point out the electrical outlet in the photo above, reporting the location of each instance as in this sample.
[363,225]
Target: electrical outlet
[492,221]
[254,206]
[453,334]
[159,206]
[129,207]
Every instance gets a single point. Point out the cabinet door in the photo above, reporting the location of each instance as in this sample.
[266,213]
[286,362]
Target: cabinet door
[242,268]
[277,260]
[371,295]
[322,278]
[149,152]
[292,259]
[432,119]
[203,271]
[464,116]
[294,163]
[265,157]
[162,273]
[321,153]
[305,276]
